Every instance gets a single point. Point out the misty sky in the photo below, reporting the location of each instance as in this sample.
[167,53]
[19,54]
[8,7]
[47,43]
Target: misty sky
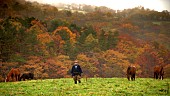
[158,5]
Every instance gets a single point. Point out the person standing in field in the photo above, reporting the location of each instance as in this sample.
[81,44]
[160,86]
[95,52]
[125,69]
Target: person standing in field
[76,72]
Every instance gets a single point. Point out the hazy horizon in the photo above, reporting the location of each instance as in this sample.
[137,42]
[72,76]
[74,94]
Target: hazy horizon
[157,5]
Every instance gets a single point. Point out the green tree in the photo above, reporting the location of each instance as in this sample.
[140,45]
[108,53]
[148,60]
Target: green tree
[90,43]
[108,40]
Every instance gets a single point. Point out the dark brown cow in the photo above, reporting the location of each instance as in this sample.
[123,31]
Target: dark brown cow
[14,75]
[27,76]
[131,71]
[158,72]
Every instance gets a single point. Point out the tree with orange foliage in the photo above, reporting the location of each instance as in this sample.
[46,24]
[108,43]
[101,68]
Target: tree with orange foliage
[130,28]
[42,36]
[147,60]
[71,35]
[66,39]
[58,66]
[88,67]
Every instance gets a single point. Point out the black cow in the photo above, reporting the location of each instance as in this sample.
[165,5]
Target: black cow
[27,76]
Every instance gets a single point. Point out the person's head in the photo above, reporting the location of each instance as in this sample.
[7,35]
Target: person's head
[76,61]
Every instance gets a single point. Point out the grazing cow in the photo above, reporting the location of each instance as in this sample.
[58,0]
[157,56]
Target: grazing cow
[27,76]
[131,71]
[158,72]
[14,75]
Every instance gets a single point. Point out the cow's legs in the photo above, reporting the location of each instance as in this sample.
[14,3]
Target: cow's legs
[161,77]
[16,77]
[12,76]
[128,77]
[156,74]
[133,77]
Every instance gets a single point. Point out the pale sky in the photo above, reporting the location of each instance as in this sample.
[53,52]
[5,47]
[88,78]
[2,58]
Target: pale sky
[158,5]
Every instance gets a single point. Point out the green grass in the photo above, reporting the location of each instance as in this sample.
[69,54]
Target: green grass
[91,87]
[157,23]
[160,22]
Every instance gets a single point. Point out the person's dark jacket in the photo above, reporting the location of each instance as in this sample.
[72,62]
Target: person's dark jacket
[76,70]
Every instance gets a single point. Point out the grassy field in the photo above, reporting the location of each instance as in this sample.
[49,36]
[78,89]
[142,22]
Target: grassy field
[91,87]
[160,22]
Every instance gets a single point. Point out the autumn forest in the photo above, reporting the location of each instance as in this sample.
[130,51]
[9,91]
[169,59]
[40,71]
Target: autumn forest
[46,39]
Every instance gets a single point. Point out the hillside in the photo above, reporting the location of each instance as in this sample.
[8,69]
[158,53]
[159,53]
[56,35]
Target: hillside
[45,40]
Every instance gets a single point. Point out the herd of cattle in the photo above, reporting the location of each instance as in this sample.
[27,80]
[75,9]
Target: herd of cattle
[158,72]
[14,74]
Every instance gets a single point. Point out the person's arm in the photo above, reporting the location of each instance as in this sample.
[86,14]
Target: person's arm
[80,70]
[72,70]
